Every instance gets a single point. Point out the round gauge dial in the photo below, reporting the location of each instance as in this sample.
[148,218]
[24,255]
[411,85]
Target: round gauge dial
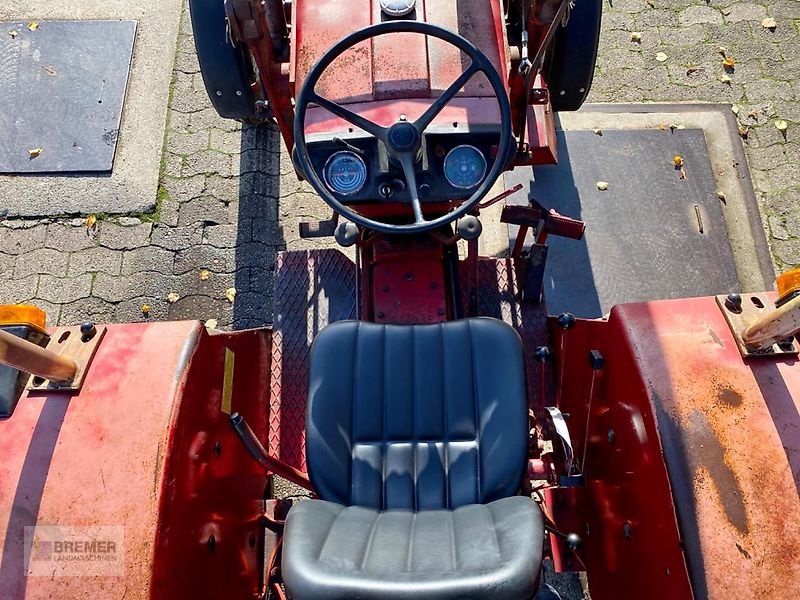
[345,173]
[464,166]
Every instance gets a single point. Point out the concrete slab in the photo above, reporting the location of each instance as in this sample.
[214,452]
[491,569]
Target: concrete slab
[133,185]
[728,174]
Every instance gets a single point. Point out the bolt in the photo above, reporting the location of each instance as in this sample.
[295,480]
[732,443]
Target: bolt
[542,354]
[734,303]
[566,320]
[596,360]
[88,331]
[573,541]
[212,544]
[217,449]
[611,436]
[403,117]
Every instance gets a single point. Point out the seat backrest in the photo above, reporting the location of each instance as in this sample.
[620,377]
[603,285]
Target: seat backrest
[416,416]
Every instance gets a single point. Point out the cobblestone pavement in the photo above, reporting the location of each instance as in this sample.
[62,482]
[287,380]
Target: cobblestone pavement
[229,200]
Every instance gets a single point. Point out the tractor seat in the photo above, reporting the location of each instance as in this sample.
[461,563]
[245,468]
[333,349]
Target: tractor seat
[416,442]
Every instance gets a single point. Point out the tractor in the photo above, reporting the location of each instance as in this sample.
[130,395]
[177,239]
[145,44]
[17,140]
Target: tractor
[414,424]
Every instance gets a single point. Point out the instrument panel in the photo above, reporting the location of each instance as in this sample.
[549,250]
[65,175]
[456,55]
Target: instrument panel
[450,167]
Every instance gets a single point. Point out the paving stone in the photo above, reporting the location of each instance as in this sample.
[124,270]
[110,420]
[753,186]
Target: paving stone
[22,223]
[187,144]
[186,62]
[14,291]
[224,188]
[262,280]
[127,287]
[173,165]
[644,20]
[7,263]
[267,231]
[254,307]
[177,121]
[207,210]
[700,14]
[44,260]
[185,188]
[257,161]
[229,142]
[91,309]
[169,213]
[95,260]
[685,37]
[148,258]
[777,227]
[228,236]
[62,290]
[255,254]
[208,162]
[20,241]
[205,256]
[202,308]
[785,176]
[177,238]
[67,238]
[118,237]
[207,118]
[130,311]
[745,11]
[788,251]
[768,89]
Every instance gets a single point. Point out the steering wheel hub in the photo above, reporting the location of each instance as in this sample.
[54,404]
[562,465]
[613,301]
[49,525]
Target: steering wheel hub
[403,137]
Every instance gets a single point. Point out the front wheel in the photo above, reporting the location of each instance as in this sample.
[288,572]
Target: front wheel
[570,68]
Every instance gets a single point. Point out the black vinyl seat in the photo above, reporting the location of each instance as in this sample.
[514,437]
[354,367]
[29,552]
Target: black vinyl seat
[416,443]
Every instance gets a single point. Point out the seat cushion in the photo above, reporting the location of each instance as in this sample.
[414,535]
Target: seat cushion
[490,551]
[416,417]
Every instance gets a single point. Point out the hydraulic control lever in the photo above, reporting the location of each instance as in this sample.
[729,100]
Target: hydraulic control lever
[264,458]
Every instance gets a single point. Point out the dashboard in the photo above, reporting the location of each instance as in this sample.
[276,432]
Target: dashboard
[451,166]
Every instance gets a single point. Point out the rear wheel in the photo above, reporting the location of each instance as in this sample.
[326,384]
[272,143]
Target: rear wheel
[570,68]
[227,71]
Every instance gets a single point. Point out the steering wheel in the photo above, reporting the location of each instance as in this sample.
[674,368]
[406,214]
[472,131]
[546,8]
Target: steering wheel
[402,139]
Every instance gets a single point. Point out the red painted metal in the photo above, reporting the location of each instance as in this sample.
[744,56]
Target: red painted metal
[135,448]
[408,281]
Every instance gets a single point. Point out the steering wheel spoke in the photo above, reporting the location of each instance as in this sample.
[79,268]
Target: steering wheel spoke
[340,111]
[447,96]
[407,162]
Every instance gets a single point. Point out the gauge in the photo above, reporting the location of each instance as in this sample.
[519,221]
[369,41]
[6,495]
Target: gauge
[464,166]
[345,173]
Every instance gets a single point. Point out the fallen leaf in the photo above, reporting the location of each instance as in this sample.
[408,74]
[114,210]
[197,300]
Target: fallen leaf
[146,309]
[662,126]
[230,294]
[661,57]
[50,71]
[744,132]
[729,63]
[602,186]
[781,125]
[91,222]
[725,78]
[35,152]
[173,298]
[691,68]
[769,23]
[13,34]
[677,161]
[683,173]
[33,25]
[723,50]
[211,324]
[204,275]
[735,109]
[636,36]
[722,196]
[597,131]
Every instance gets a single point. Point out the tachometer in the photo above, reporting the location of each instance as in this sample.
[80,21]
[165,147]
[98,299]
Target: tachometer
[345,173]
[464,166]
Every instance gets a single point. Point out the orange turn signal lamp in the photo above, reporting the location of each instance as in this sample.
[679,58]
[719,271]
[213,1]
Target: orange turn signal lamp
[24,315]
[788,285]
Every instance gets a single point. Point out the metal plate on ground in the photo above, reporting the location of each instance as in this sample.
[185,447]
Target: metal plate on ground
[652,234]
[62,88]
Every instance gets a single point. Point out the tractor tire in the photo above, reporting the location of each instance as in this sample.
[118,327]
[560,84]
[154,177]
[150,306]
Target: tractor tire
[226,69]
[572,59]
